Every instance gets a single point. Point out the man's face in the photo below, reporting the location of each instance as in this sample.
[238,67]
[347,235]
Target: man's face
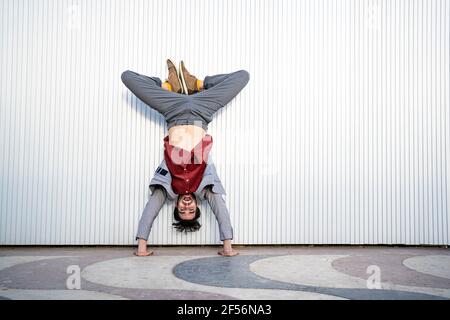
[187,205]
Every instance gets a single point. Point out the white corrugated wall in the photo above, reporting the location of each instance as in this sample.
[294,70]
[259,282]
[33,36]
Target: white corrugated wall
[340,137]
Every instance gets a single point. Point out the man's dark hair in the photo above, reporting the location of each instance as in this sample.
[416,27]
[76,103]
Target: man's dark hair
[186,225]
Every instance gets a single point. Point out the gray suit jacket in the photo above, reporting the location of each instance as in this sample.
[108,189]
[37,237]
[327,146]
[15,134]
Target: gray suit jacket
[163,178]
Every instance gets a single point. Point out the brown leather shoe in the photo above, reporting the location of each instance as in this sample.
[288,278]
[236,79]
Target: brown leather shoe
[188,81]
[172,78]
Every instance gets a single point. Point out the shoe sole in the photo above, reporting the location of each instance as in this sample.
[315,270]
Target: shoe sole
[178,75]
[183,82]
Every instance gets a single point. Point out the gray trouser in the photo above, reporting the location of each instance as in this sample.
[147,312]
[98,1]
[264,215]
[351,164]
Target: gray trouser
[179,109]
[157,199]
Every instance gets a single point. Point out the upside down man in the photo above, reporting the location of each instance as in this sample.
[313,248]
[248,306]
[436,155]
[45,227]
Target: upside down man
[187,174]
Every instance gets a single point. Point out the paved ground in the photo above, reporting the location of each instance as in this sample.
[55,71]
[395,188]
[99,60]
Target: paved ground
[287,272]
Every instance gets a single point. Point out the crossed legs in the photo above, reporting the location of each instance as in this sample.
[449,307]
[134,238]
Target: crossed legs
[215,91]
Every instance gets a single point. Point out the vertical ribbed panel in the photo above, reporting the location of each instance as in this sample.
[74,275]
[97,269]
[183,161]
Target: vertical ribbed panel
[341,136]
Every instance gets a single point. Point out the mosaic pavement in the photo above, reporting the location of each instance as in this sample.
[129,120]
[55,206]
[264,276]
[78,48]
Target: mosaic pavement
[258,273]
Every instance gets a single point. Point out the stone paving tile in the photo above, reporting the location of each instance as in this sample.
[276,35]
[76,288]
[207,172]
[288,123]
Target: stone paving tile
[392,270]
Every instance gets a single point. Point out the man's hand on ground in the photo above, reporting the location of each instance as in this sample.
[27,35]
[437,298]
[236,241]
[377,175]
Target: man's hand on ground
[142,249]
[227,250]
[231,253]
[143,253]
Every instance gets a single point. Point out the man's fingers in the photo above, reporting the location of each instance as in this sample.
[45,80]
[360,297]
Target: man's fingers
[228,254]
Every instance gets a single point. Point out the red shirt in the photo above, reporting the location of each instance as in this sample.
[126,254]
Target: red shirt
[187,167]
